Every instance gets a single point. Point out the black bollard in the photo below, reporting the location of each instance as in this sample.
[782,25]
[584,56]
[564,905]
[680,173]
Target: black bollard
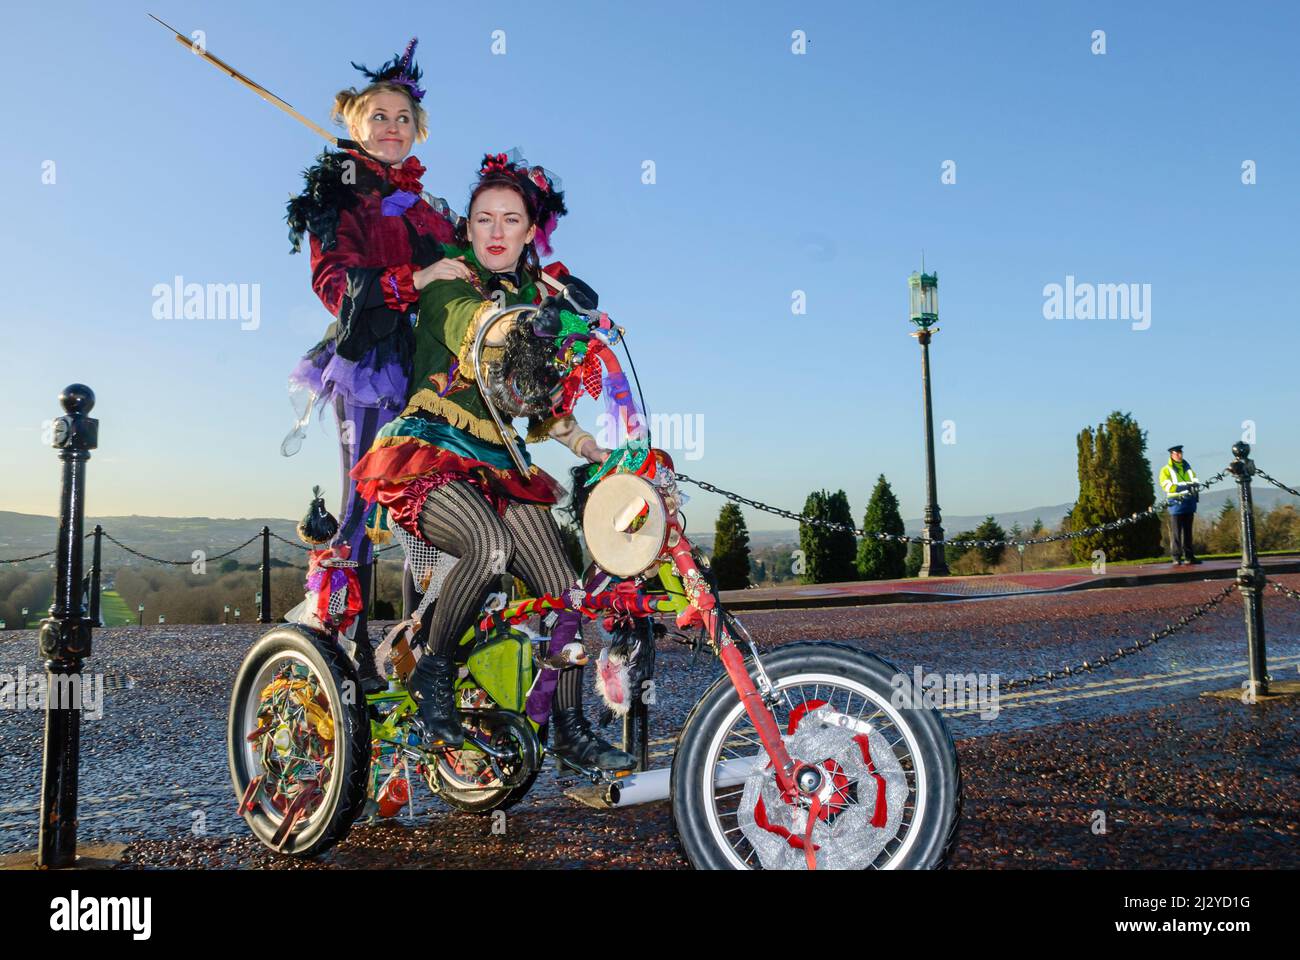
[1250,577]
[264,609]
[95,617]
[65,637]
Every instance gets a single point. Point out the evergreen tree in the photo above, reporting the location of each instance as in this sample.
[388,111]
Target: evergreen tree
[990,529]
[952,552]
[731,549]
[882,559]
[1114,482]
[1225,532]
[827,554]
[983,557]
[912,566]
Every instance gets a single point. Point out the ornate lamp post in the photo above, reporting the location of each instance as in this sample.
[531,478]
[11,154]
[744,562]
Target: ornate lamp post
[924,289]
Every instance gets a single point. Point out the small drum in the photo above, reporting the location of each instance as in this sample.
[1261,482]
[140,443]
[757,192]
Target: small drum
[625,524]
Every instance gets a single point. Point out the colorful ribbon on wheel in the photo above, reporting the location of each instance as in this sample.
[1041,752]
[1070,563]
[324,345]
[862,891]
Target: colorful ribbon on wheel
[332,580]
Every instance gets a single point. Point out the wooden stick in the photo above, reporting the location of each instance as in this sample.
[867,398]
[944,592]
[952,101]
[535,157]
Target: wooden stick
[257,88]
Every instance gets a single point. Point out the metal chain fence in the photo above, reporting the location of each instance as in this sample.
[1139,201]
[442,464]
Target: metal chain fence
[1087,666]
[1285,591]
[1277,483]
[1150,511]
[177,563]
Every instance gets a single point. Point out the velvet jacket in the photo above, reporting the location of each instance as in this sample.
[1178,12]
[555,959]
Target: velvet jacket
[370,228]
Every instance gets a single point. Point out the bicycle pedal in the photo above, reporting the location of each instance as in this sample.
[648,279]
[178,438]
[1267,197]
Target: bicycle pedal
[565,774]
[568,770]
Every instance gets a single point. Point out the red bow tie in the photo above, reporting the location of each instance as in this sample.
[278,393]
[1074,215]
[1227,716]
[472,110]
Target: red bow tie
[407,175]
[404,176]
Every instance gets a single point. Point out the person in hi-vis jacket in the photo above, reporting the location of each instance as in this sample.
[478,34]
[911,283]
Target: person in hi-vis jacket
[1178,481]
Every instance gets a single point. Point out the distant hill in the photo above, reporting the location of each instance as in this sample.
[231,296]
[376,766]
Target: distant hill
[169,538]
[1265,498]
[174,538]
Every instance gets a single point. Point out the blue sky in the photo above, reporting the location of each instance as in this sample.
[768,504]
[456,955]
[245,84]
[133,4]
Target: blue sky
[775,172]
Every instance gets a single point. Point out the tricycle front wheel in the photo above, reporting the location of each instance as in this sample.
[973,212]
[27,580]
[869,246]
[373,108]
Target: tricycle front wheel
[890,785]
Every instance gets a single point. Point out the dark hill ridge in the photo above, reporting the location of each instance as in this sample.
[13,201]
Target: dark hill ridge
[170,538]
[1265,497]
[175,537]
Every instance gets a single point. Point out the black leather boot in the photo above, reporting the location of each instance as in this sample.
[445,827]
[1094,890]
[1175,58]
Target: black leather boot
[431,686]
[573,739]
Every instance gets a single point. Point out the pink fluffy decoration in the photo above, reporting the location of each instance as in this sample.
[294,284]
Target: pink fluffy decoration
[612,682]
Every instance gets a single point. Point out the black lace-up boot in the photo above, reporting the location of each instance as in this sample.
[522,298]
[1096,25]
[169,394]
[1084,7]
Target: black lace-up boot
[431,686]
[572,738]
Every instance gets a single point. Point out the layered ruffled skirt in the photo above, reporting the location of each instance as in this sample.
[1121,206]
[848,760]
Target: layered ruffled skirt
[416,454]
[378,379]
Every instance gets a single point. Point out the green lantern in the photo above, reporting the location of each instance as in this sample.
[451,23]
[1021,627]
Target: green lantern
[924,290]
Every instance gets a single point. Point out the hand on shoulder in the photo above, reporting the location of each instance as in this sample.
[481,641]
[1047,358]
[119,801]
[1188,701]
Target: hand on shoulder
[445,269]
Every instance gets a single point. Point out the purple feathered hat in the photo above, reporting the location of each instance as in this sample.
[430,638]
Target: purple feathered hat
[401,69]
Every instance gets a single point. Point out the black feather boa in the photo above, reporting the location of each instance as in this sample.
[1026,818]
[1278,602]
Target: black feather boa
[580,492]
[526,375]
[316,209]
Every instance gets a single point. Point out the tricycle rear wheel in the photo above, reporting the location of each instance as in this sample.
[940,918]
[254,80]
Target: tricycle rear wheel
[297,720]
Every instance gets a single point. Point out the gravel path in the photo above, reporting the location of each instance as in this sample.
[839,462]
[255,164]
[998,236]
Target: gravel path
[1181,781]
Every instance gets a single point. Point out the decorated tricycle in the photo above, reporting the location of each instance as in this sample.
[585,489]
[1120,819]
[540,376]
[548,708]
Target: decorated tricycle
[805,755]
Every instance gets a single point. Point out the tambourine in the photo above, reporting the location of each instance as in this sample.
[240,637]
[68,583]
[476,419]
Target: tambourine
[625,524]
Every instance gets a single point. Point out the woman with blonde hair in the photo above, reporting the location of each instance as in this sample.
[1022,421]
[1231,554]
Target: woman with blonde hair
[376,241]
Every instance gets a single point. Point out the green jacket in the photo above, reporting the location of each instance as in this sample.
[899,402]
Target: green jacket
[442,377]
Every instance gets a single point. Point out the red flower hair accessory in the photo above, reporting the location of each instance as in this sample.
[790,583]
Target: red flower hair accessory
[542,191]
[495,161]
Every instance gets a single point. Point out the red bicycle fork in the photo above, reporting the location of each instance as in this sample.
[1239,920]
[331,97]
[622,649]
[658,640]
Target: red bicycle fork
[704,607]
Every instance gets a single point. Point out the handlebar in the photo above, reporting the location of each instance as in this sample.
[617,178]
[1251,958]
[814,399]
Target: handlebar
[476,360]
[591,606]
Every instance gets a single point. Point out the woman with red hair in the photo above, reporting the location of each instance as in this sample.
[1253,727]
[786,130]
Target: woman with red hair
[444,474]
